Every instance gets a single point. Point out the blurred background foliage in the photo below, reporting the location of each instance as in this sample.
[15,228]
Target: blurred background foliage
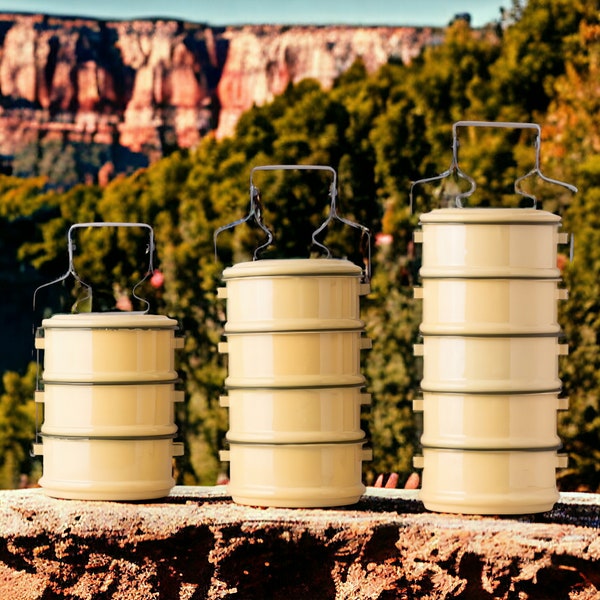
[379,131]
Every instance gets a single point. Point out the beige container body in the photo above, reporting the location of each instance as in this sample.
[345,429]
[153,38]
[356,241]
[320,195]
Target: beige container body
[295,415]
[296,475]
[490,364]
[489,482]
[295,359]
[92,469]
[108,347]
[489,306]
[489,242]
[296,294]
[496,421]
[109,410]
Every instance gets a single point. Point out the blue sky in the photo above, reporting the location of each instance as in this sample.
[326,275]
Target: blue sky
[224,12]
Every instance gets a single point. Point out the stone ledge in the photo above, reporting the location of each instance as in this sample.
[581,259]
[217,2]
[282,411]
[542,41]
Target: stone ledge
[197,544]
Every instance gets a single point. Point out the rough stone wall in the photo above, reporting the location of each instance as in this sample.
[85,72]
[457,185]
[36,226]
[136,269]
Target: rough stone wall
[197,544]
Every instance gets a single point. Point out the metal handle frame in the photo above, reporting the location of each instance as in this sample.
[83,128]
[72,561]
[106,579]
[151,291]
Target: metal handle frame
[256,212]
[71,268]
[455,168]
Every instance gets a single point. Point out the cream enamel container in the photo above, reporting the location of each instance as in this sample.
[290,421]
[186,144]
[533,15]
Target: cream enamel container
[489,481]
[296,475]
[294,338]
[489,242]
[491,421]
[294,358]
[490,364]
[108,347]
[490,306]
[108,469]
[113,409]
[491,347]
[109,393]
[296,415]
[278,295]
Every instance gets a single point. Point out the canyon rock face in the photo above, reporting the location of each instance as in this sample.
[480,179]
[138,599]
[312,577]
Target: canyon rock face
[262,61]
[148,86]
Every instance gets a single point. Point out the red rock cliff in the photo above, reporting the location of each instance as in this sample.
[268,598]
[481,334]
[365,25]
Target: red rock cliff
[151,85]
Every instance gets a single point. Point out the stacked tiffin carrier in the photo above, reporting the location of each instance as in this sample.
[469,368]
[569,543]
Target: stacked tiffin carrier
[294,386]
[491,347]
[108,390]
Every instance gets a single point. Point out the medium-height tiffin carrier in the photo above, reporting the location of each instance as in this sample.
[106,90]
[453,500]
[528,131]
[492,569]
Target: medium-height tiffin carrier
[108,396]
[294,386]
[490,354]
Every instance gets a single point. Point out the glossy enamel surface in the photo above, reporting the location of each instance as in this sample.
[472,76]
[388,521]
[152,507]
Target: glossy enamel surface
[284,295]
[296,475]
[295,415]
[488,481]
[103,347]
[490,306]
[100,410]
[99,469]
[483,242]
[479,421]
[294,359]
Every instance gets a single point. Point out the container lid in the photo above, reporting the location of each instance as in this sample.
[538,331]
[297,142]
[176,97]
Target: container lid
[520,216]
[110,320]
[293,267]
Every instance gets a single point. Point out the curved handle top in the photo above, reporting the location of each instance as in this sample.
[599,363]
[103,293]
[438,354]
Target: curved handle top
[71,268]
[256,212]
[455,168]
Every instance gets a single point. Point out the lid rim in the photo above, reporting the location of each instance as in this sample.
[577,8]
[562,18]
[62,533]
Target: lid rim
[293,267]
[490,216]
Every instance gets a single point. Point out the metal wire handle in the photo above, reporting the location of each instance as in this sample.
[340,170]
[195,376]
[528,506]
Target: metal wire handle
[455,168]
[256,211]
[71,269]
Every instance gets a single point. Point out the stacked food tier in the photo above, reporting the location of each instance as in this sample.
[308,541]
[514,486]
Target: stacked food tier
[490,348]
[108,395]
[294,385]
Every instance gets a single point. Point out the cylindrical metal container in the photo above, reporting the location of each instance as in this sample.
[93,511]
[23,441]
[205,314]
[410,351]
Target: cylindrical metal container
[294,358]
[489,481]
[108,347]
[294,383]
[296,475]
[489,242]
[480,422]
[113,409]
[108,399]
[456,363]
[489,306]
[135,468]
[295,415]
[293,295]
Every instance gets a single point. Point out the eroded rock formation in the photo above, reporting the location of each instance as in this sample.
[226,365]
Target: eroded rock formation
[152,85]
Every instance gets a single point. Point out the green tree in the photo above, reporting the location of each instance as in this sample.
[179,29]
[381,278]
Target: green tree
[571,149]
[17,424]
[532,56]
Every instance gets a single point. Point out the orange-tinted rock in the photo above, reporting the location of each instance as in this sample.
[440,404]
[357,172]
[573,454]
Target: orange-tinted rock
[149,83]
